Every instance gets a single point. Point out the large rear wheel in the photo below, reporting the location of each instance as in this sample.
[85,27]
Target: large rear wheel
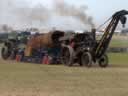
[86,59]
[5,53]
[67,56]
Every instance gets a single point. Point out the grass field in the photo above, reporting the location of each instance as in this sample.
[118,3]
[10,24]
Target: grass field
[118,58]
[20,79]
[119,41]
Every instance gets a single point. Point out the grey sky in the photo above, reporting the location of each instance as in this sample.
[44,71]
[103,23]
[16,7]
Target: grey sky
[100,10]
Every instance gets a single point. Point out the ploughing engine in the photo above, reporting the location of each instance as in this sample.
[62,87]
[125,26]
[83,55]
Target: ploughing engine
[88,50]
[42,48]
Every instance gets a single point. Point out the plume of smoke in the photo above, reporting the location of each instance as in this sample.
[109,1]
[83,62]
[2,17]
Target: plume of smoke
[19,14]
[78,13]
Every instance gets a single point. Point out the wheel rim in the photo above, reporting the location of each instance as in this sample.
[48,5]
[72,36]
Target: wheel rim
[5,53]
[67,56]
[103,62]
[86,59]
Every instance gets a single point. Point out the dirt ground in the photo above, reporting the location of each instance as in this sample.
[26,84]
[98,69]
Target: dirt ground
[21,79]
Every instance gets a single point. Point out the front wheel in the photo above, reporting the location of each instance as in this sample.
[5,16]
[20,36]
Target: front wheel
[86,59]
[103,61]
[67,56]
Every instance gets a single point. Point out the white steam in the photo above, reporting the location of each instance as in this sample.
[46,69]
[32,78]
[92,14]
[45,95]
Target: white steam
[20,14]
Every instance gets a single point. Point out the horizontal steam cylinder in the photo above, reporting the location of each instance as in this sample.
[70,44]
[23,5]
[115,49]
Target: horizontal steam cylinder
[46,40]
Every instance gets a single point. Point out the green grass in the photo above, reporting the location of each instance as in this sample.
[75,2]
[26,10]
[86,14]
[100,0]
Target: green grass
[20,79]
[118,58]
[119,43]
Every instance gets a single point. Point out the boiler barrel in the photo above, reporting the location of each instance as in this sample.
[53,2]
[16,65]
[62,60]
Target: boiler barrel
[50,39]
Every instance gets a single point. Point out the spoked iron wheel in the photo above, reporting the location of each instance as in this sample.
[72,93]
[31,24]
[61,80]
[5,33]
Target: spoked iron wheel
[5,53]
[103,61]
[67,56]
[86,59]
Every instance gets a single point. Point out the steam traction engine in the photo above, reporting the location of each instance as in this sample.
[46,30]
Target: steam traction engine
[35,48]
[85,50]
[14,42]
[74,45]
[43,48]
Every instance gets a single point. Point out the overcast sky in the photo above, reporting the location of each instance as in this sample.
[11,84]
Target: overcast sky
[99,10]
